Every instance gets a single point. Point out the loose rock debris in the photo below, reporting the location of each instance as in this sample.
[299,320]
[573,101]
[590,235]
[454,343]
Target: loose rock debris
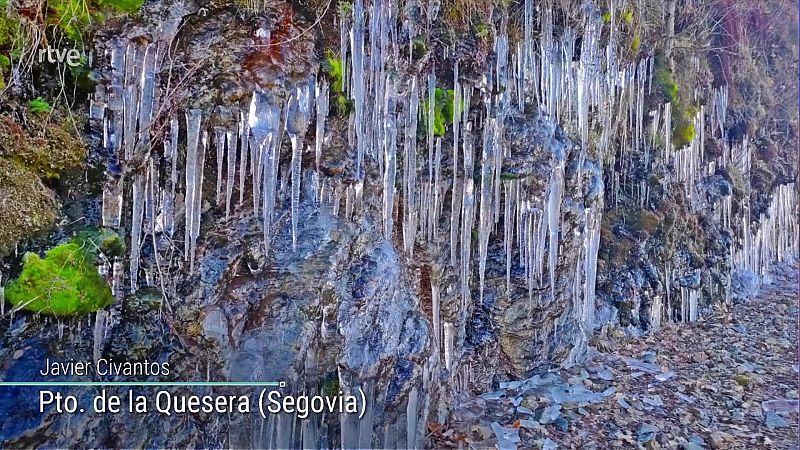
[728,381]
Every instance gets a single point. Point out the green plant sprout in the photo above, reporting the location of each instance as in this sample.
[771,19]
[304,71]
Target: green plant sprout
[332,66]
[39,105]
[443,108]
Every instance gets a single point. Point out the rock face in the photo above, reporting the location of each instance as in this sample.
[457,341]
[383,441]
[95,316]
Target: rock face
[512,333]
[654,260]
[332,315]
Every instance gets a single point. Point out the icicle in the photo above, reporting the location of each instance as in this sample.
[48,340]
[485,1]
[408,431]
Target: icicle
[667,132]
[720,108]
[171,155]
[554,219]
[591,248]
[467,216]
[147,94]
[449,345]
[409,172]
[487,191]
[390,159]
[349,202]
[150,196]
[455,195]
[244,140]
[322,114]
[264,120]
[101,322]
[195,158]
[436,207]
[136,227]
[297,157]
[357,48]
[261,122]
[689,298]
[430,125]
[297,115]
[436,306]
[455,219]
[219,144]
[231,170]
[198,193]
[508,227]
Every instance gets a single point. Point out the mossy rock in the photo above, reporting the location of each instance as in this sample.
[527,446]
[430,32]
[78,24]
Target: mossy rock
[64,283]
[636,44]
[26,205]
[418,49]
[664,80]
[645,221]
[684,132]
[743,380]
[333,68]
[48,151]
[619,251]
[26,158]
[103,241]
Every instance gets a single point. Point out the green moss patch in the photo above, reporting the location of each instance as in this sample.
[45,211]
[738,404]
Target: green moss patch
[333,68]
[636,44]
[74,17]
[664,80]
[683,130]
[39,105]
[627,17]
[443,109]
[64,283]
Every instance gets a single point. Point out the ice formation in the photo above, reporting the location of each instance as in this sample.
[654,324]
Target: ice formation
[439,198]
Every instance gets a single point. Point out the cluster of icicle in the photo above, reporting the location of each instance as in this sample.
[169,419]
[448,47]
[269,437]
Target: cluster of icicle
[538,71]
[594,91]
[776,237]
[246,153]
